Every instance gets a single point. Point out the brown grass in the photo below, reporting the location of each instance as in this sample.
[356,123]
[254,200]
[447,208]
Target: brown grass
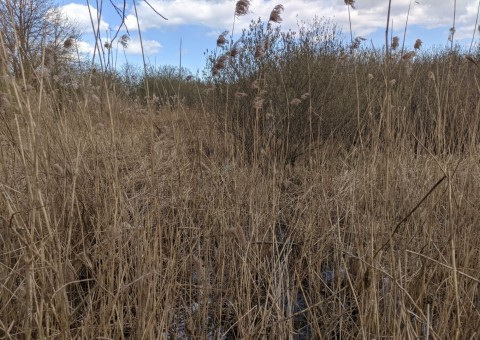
[119,220]
[119,225]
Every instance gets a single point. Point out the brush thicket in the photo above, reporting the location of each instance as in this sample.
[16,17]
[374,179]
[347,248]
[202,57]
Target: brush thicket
[248,215]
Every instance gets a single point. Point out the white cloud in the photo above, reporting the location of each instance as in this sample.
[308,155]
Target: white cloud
[368,15]
[150,47]
[85,47]
[80,15]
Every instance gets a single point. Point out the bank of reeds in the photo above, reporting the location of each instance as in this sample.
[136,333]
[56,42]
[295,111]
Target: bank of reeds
[280,205]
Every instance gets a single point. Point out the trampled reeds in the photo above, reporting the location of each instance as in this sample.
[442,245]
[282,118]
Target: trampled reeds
[257,214]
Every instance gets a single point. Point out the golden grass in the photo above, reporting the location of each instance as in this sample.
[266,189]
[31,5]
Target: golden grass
[116,224]
[123,220]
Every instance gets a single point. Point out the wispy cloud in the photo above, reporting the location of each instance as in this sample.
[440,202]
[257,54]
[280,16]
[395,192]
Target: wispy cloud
[80,15]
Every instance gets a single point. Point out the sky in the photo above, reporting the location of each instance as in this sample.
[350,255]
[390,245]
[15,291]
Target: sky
[197,24]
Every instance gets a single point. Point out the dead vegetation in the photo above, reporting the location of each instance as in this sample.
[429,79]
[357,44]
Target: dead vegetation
[121,219]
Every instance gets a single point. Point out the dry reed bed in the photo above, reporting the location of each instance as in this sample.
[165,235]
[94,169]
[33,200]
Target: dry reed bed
[129,225]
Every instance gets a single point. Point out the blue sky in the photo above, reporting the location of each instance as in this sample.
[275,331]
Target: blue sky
[199,22]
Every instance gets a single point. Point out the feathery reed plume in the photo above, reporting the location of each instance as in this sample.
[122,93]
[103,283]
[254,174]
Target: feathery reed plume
[221,40]
[295,102]
[236,232]
[259,51]
[418,44]
[305,96]
[266,43]
[95,98]
[219,65]
[255,85]
[356,43]
[431,75]
[370,76]
[258,103]
[395,43]
[240,95]
[409,55]
[124,40]
[350,3]
[234,50]
[242,7]
[451,33]
[275,15]
[393,82]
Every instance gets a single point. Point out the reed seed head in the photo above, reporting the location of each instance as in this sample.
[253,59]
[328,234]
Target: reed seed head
[451,33]
[234,51]
[220,64]
[242,7]
[295,102]
[266,44]
[124,40]
[275,15]
[418,44]
[370,76]
[409,55]
[259,51]
[240,95]
[350,3]
[258,103]
[95,99]
[395,42]
[237,233]
[305,96]
[356,43]
[221,40]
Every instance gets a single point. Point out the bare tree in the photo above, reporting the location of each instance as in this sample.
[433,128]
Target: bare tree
[34,33]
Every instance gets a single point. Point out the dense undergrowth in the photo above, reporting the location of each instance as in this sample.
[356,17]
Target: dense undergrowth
[307,190]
